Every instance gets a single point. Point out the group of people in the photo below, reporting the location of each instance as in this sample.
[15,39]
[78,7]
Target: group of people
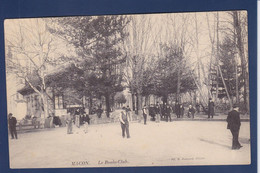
[179,109]
[158,112]
[164,112]
[233,119]
[79,118]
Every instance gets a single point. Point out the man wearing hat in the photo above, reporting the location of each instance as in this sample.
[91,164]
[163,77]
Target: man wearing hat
[124,120]
[12,125]
[178,109]
[234,123]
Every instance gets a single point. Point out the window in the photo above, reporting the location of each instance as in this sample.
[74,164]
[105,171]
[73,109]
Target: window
[59,102]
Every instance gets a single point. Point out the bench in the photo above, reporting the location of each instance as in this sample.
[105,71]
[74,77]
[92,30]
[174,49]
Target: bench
[28,125]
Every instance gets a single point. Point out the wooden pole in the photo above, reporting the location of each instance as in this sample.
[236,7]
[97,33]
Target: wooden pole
[229,99]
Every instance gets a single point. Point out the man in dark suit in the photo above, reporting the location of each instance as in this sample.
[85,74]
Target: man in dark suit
[191,112]
[177,109]
[168,113]
[234,123]
[145,113]
[12,125]
[181,110]
[211,108]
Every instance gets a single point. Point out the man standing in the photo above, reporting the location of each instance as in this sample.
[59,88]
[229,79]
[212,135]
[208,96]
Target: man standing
[168,113]
[69,123]
[198,108]
[177,109]
[210,108]
[77,118]
[99,111]
[12,125]
[145,114]
[158,112]
[124,120]
[234,123]
[181,111]
[191,112]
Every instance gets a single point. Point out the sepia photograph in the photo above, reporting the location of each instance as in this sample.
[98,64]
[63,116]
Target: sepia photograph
[142,90]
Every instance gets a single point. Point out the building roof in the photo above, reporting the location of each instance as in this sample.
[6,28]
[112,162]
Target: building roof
[54,76]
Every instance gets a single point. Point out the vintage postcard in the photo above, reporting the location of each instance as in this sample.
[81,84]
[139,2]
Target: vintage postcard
[166,89]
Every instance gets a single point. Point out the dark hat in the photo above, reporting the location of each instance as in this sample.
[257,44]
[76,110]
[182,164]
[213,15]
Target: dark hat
[10,114]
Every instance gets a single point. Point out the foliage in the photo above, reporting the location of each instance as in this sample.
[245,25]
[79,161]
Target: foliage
[164,79]
[228,64]
[120,98]
[97,42]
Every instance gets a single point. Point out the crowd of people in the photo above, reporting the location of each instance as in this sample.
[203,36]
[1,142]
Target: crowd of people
[163,112]
[233,118]
[158,113]
[79,118]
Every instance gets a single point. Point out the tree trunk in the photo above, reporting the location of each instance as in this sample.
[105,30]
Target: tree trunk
[45,105]
[90,104]
[194,97]
[112,102]
[136,104]
[237,90]
[133,101]
[139,105]
[217,59]
[146,100]
[240,46]
[229,99]
[178,84]
[217,77]
[200,91]
[107,98]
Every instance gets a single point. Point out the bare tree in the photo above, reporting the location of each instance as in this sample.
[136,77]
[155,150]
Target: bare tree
[179,29]
[138,47]
[240,26]
[30,54]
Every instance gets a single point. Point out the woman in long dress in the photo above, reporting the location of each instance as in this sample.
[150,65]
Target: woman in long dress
[69,123]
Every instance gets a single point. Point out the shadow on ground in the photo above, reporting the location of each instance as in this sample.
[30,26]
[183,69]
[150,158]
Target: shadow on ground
[214,143]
